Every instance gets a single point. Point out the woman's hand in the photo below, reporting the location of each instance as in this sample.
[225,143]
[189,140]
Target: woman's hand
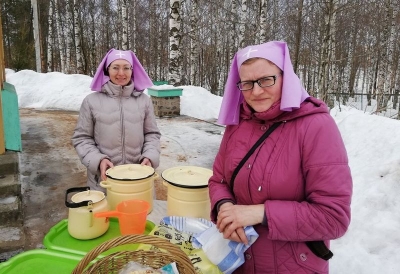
[104,165]
[232,219]
[146,162]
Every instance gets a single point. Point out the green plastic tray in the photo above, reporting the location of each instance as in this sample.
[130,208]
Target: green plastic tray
[42,261]
[59,239]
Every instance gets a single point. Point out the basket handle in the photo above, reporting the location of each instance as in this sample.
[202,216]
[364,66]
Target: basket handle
[129,239]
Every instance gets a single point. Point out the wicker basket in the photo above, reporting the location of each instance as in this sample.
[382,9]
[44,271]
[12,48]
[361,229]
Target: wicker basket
[114,262]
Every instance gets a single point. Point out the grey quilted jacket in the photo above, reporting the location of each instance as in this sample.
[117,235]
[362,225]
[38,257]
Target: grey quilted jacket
[117,123]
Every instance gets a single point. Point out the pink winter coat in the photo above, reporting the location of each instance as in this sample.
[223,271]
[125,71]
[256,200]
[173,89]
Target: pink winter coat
[301,175]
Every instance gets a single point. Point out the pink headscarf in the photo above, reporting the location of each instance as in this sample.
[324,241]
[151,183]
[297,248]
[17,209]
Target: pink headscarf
[293,93]
[139,75]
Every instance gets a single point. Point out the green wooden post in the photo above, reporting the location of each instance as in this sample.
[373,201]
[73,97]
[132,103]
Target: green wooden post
[2,79]
[12,129]
[2,141]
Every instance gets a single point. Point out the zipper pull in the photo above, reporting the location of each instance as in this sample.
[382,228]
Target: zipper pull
[259,188]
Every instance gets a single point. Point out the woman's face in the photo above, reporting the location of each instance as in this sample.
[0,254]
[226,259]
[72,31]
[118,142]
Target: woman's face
[120,72]
[261,99]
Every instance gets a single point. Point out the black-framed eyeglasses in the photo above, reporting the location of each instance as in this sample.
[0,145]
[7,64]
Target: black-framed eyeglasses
[264,82]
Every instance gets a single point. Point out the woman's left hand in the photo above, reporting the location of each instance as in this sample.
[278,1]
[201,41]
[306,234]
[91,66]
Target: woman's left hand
[232,219]
[146,162]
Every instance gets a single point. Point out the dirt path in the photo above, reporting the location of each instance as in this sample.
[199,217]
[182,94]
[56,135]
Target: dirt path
[48,166]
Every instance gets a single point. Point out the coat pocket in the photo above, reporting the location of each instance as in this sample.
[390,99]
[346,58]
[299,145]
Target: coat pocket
[305,258]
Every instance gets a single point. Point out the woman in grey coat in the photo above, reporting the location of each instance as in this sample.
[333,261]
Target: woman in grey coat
[116,124]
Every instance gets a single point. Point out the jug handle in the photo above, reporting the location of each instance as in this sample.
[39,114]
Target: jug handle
[108,214]
[76,189]
[105,184]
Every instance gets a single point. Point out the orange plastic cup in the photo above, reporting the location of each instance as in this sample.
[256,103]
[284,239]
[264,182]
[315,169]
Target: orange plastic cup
[131,215]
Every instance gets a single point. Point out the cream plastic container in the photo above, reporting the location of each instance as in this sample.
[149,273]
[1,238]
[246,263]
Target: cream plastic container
[187,191]
[129,182]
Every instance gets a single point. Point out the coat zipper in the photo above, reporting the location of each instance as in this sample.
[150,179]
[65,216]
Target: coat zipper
[122,126]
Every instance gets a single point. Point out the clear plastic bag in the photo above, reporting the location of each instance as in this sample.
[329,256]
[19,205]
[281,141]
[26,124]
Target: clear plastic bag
[184,240]
[137,268]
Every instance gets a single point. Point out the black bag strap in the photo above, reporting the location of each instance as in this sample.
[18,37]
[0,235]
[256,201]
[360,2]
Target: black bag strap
[251,151]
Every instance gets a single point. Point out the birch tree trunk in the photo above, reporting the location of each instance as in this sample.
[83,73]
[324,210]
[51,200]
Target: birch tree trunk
[175,36]
[134,28]
[327,49]
[60,37]
[118,31]
[242,26]
[92,37]
[36,35]
[381,89]
[232,31]
[275,18]
[78,48]
[392,62]
[298,35]
[68,36]
[372,78]
[50,38]
[347,79]
[333,84]
[160,73]
[124,25]
[262,33]
[194,43]
[220,69]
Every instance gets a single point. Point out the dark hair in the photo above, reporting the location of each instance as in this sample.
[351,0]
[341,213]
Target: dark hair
[106,71]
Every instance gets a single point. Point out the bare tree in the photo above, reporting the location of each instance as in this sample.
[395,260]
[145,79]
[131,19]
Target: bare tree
[68,36]
[194,42]
[232,41]
[382,86]
[392,61]
[124,15]
[36,35]
[134,29]
[298,35]
[175,36]
[339,47]
[242,24]
[262,33]
[50,38]
[78,49]
[60,37]
[328,48]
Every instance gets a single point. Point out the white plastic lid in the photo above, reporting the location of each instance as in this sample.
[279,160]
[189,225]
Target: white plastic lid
[187,176]
[130,172]
[88,195]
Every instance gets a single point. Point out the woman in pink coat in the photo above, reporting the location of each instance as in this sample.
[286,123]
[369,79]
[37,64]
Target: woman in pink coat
[295,189]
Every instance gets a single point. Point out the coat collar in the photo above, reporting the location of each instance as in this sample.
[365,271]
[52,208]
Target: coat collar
[274,114]
[119,91]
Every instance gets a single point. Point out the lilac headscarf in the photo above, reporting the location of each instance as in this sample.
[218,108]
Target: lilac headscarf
[293,93]
[139,75]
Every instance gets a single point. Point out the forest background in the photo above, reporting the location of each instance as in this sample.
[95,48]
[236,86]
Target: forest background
[344,51]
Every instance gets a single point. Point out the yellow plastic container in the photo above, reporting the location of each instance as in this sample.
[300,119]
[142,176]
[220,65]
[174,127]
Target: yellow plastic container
[187,191]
